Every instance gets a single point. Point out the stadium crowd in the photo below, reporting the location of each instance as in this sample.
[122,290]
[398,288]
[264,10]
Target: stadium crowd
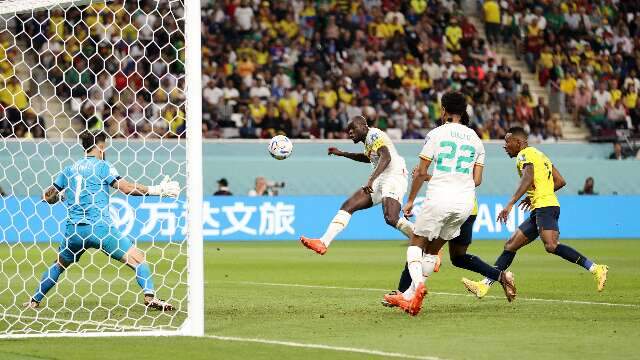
[585,52]
[304,67]
[117,66]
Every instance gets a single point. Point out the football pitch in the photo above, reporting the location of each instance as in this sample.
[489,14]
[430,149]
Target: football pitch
[278,300]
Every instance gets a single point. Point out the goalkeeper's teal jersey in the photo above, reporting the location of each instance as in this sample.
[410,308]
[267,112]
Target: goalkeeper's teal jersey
[86,184]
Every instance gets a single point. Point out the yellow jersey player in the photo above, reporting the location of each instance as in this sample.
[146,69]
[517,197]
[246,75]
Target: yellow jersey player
[539,179]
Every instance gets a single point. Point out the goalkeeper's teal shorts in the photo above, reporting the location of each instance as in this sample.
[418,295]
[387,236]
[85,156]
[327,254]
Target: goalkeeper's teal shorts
[80,237]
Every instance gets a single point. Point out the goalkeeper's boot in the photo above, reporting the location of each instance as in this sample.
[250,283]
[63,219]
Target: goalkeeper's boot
[394,299]
[313,244]
[31,304]
[415,304]
[477,288]
[600,274]
[157,304]
[438,261]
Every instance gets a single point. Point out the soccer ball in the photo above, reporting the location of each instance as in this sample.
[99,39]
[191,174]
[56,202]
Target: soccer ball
[280,147]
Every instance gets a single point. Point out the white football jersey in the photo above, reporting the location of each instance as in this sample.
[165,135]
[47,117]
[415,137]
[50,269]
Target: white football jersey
[454,150]
[376,139]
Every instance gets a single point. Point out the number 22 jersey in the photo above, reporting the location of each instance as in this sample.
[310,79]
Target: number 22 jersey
[454,150]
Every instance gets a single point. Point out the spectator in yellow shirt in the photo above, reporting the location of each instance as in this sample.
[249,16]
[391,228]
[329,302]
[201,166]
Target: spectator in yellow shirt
[630,97]
[257,109]
[328,96]
[492,20]
[288,104]
[453,34]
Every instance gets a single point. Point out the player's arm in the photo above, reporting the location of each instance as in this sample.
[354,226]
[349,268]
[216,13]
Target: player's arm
[420,175]
[166,188]
[525,183]
[385,160]
[51,195]
[353,156]
[477,174]
[558,179]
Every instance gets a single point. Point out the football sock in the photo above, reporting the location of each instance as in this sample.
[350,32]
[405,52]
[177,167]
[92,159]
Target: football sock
[570,254]
[405,226]
[47,281]
[405,279]
[429,264]
[475,264]
[144,279]
[502,263]
[414,263]
[338,223]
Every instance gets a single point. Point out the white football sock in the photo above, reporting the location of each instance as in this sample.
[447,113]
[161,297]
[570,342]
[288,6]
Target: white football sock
[338,223]
[429,264]
[488,281]
[405,226]
[414,261]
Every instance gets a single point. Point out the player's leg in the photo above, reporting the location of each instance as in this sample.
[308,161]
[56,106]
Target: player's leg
[391,210]
[547,220]
[69,251]
[460,258]
[121,248]
[358,201]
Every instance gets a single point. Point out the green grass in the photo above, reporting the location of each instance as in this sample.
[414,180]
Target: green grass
[451,326]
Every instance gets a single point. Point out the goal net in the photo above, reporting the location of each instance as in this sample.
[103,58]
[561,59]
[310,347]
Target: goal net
[129,69]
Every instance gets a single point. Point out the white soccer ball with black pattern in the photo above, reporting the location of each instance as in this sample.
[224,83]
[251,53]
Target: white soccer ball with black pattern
[280,147]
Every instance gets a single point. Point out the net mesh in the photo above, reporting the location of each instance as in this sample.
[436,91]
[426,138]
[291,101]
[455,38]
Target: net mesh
[73,66]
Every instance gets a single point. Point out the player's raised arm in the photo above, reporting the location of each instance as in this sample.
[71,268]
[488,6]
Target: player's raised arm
[353,156]
[558,179]
[525,183]
[166,188]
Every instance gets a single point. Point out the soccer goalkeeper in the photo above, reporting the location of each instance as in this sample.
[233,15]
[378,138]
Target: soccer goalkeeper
[86,188]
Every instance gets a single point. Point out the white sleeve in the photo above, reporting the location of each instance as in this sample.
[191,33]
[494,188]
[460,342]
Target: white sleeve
[429,148]
[480,153]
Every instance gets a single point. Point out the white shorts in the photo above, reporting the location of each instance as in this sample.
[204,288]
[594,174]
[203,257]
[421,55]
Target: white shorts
[392,186]
[441,219]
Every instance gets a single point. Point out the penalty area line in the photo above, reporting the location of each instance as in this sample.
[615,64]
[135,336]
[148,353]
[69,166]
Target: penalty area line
[575,302]
[322,347]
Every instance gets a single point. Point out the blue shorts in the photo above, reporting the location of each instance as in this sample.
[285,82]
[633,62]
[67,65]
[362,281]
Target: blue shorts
[80,237]
[544,218]
[466,232]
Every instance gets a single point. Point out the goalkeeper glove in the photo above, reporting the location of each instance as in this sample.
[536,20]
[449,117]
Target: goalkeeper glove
[166,188]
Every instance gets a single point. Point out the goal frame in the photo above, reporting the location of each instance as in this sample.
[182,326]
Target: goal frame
[193,325]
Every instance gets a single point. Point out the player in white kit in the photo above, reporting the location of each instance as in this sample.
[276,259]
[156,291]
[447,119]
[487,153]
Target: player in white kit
[387,184]
[458,155]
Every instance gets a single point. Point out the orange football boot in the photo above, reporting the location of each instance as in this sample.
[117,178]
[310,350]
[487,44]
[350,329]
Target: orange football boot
[313,244]
[394,299]
[415,304]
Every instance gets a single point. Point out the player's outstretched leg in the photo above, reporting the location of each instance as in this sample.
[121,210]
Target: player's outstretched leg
[358,201]
[518,239]
[135,259]
[48,280]
[552,245]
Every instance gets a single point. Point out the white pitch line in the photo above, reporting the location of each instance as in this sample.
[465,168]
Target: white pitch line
[322,347]
[577,302]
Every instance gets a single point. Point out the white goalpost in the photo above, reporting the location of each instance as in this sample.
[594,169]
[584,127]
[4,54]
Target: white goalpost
[130,69]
